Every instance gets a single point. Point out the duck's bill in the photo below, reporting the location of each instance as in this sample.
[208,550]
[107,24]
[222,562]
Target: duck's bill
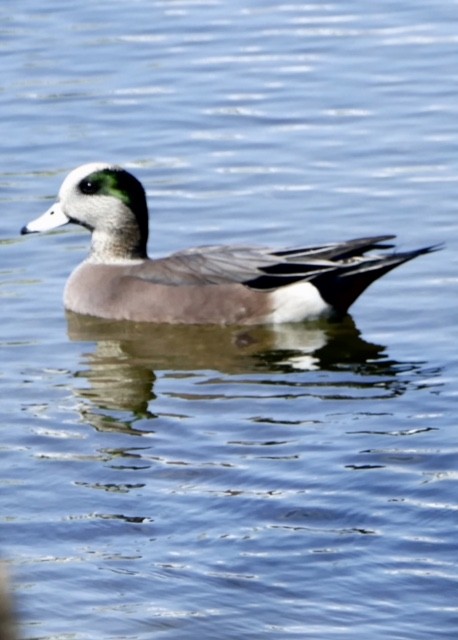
[54,217]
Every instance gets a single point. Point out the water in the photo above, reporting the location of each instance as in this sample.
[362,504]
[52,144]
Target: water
[180,482]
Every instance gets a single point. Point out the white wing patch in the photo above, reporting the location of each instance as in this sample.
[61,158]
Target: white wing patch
[297,302]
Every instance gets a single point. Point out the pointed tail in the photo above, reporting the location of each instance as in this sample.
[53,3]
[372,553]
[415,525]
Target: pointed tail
[341,287]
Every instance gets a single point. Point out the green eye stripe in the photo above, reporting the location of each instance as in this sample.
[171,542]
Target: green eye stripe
[106,183]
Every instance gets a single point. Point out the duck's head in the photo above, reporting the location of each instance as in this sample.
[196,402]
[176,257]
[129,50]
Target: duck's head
[107,200]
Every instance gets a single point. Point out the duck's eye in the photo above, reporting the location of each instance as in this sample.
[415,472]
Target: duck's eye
[88,187]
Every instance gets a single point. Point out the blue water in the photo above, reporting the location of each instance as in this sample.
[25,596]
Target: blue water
[182,482]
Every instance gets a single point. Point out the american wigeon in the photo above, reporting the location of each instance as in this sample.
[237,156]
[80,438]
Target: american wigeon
[214,284]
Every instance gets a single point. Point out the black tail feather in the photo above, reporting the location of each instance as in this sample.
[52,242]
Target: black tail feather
[342,286]
[340,250]
[341,272]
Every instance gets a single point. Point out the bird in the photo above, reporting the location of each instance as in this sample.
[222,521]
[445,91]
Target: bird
[215,284]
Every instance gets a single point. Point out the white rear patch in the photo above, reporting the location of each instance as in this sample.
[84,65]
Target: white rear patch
[296,302]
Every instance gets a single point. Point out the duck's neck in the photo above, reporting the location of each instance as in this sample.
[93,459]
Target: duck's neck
[114,247]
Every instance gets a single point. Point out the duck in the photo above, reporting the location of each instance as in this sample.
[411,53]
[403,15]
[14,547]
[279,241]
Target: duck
[225,285]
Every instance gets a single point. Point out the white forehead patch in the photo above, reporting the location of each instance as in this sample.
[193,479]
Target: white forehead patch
[75,176]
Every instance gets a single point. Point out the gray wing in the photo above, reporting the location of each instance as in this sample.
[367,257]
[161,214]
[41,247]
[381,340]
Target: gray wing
[257,267]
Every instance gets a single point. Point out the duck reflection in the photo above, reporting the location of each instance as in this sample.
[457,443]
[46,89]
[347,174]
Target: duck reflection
[120,367]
